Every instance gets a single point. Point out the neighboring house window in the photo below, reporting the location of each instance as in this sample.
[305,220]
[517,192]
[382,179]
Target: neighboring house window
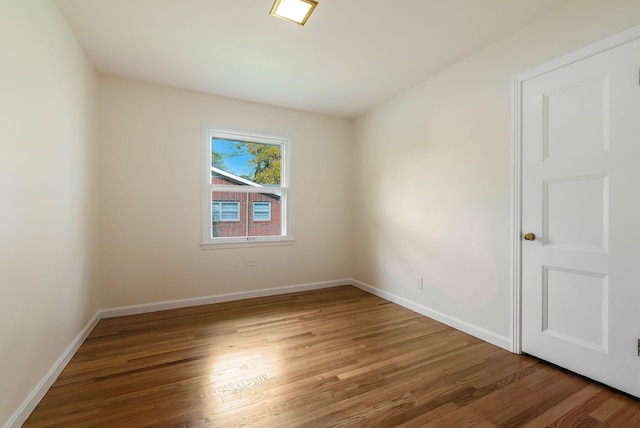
[225,211]
[245,189]
[262,211]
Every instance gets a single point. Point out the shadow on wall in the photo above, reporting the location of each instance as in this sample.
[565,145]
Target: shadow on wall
[451,248]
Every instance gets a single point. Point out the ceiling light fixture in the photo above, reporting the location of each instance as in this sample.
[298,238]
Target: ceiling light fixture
[297,11]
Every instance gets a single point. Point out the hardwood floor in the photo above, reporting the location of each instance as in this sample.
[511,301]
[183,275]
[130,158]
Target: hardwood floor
[326,358]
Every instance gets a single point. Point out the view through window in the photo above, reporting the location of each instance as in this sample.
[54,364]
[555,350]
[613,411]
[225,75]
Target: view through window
[246,192]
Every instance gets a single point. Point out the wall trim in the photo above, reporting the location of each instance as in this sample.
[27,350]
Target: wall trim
[22,413]
[30,403]
[216,298]
[473,330]
[516,169]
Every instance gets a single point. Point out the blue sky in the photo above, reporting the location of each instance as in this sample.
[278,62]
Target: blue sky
[235,164]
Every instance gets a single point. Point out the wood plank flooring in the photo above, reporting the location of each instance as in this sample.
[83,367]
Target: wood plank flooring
[337,357]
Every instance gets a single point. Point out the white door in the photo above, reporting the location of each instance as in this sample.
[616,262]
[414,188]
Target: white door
[581,198]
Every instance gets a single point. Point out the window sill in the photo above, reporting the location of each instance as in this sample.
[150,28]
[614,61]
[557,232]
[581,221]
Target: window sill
[243,243]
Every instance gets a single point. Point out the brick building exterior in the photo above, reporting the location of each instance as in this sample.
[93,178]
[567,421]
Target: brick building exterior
[243,214]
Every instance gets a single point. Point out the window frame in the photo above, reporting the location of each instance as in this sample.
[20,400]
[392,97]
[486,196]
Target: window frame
[253,211]
[283,191]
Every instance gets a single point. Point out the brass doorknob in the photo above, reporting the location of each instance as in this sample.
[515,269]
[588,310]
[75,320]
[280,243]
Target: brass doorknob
[529,236]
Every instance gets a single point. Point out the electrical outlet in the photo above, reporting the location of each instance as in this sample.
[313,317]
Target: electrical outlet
[419,282]
[250,262]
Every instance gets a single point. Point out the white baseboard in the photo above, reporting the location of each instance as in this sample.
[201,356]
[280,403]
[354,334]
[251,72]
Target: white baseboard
[22,413]
[479,332]
[218,298]
[30,403]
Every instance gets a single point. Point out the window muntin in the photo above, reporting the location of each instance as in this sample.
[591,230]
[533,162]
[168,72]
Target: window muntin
[250,171]
[262,211]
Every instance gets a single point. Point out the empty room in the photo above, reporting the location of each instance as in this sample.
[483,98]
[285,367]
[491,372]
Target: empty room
[299,213]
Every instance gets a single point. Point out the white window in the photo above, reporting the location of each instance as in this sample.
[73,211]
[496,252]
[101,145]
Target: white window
[262,211]
[225,211]
[241,172]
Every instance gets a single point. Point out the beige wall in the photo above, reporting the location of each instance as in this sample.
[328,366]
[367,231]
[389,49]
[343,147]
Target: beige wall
[150,141]
[432,172]
[46,108]
[428,172]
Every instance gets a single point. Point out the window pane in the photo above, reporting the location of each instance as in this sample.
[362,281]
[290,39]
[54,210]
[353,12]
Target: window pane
[244,214]
[242,163]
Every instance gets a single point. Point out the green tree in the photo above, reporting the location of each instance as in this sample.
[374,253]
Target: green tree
[266,159]
[217,161]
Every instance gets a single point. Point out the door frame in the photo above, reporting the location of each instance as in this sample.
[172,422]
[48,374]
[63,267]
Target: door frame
[516,167]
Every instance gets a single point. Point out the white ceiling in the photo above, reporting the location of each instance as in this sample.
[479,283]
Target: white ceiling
[351,55]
